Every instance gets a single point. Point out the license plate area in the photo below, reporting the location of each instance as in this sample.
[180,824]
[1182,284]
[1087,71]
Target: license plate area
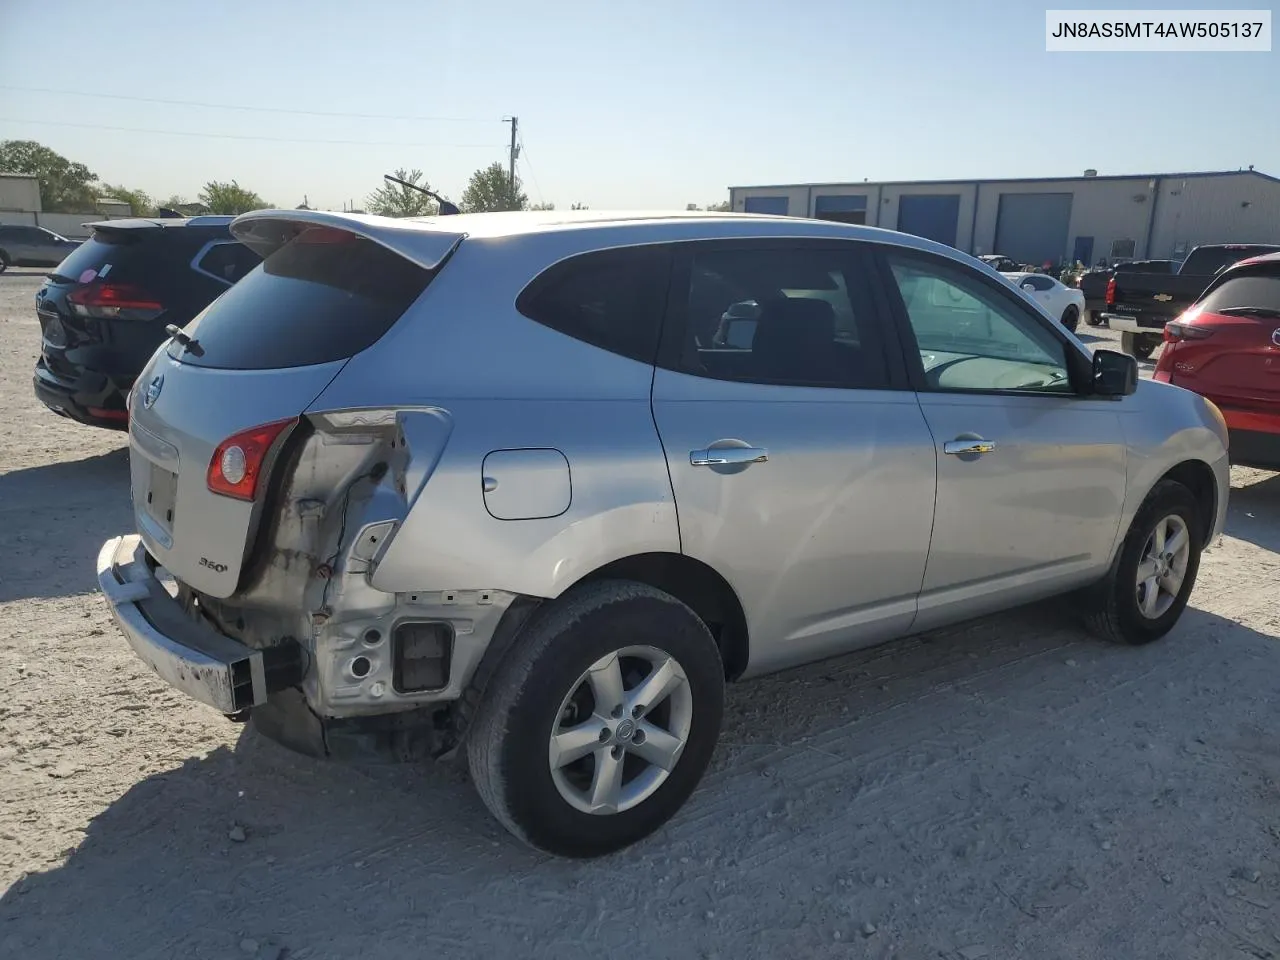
[161,496]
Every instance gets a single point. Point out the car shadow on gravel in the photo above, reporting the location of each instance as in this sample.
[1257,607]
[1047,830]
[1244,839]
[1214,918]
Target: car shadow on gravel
[990,765]
[1253,513]
[53,520]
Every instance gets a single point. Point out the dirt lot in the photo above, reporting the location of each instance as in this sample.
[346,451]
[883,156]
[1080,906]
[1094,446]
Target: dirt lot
[1011,788]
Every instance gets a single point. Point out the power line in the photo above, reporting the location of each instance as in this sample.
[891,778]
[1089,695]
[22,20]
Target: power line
[524,152]
[233,106]
[239,136]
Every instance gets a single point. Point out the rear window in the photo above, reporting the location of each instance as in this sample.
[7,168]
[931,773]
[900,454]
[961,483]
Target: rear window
[103,251]
[324,296]
[1245,291]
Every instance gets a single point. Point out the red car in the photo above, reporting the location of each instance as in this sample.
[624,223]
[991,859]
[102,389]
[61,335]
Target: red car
[1226,347]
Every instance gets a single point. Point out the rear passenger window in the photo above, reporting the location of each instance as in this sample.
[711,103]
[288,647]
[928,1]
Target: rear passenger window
[793,315]
[612,299]
[228,261]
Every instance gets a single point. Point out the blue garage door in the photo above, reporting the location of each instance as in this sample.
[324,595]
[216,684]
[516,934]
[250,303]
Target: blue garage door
[1032,227]
[774,205]
[933,216]
[845,209]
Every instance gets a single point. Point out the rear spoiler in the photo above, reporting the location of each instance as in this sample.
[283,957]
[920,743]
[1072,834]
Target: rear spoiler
[266,231]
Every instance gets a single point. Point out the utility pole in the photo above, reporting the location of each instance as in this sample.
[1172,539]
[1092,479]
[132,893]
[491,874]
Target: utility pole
[515,151]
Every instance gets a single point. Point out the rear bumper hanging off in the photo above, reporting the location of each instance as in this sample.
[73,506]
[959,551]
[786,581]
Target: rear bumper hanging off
[186,653]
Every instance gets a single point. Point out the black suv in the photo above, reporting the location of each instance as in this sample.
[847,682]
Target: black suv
[104,309]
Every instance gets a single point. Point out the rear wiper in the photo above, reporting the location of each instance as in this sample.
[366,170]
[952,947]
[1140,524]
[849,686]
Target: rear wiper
[190,344]
[1249,312]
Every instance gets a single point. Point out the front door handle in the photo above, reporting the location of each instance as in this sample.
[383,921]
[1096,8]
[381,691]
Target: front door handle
[727,456]
[970,445]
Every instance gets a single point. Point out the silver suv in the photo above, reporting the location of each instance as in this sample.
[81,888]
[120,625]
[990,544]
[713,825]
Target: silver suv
[491,484]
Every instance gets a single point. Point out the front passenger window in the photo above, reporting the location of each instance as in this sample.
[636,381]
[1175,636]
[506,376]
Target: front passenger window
[971,337]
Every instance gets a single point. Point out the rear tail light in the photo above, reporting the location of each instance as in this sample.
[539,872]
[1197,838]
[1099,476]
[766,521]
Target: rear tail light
[237,464]
[1176,330]
[114,301]
[1111,292]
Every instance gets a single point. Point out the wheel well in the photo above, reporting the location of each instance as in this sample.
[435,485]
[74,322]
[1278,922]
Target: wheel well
[1197,476]
[700,588]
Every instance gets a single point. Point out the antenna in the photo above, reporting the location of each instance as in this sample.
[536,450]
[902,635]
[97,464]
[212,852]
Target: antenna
[446,208]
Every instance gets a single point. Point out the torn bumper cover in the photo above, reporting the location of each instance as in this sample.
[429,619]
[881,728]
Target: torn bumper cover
[185,652]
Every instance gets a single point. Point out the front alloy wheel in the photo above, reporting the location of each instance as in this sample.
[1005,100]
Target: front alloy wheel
[1163,567]
[1154,571]
[621,730]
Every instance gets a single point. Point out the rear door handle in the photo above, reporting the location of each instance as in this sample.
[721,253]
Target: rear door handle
[974,445]
[722,456]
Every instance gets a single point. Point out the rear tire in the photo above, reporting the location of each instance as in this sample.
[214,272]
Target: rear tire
[4,261]
[1121,607]
[1093,318]
[1140,345]
[1071,318]
[602,642]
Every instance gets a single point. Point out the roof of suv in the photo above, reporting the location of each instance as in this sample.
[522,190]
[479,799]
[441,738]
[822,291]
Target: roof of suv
[1266,258]
[429,240]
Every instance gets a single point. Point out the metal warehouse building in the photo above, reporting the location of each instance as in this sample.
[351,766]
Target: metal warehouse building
[1038,220]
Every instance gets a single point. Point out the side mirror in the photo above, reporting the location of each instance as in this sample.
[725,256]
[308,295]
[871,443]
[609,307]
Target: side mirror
[1114,374]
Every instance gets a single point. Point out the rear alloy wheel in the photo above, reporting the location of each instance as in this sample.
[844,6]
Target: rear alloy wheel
[600,721]
[1147,589]
[1071,318]
[603,724]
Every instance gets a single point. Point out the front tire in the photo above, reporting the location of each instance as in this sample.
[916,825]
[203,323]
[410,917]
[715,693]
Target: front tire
[1071,318]
[1140,345]
[1151,579]
[600,721]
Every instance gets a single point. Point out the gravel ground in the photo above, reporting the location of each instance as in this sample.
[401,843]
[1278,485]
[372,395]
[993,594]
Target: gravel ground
[1011,788]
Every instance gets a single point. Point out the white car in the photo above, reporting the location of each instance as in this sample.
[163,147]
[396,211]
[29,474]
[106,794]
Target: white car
[1065,303]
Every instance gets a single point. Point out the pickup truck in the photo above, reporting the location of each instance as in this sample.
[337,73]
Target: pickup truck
[1093,284]
[1139,304]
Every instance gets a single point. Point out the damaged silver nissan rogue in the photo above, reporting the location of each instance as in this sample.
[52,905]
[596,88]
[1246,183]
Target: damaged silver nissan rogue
[530,488]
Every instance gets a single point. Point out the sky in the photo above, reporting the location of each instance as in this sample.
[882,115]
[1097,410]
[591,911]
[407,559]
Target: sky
[620,104]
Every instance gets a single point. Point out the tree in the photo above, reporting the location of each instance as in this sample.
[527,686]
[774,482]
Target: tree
[65,187]
[721,207]
[543,206]
[138,200]
[230,198]
[490,189]
[579,206]
[394,200]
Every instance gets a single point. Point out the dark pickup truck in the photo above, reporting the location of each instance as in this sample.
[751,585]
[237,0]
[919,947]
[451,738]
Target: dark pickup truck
[1139,303]
[1093,284]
